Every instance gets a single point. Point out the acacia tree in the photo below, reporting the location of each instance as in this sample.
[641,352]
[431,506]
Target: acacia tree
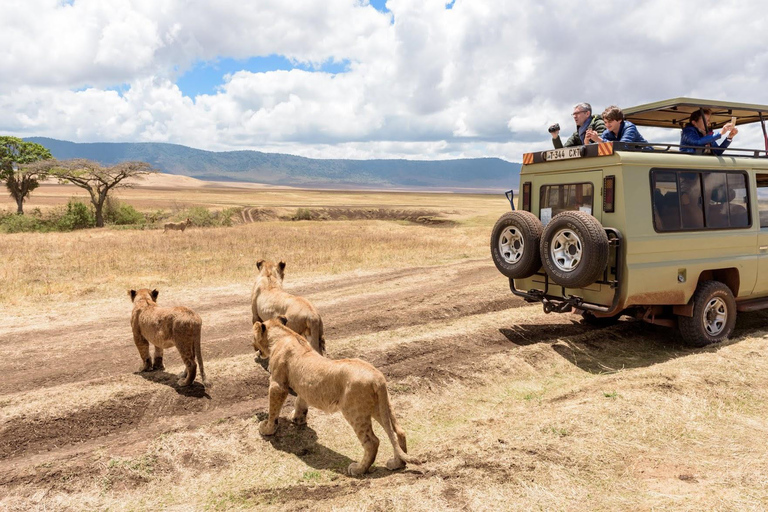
[20,180]
[98,180]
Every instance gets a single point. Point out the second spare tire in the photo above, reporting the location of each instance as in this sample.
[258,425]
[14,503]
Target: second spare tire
[574,249]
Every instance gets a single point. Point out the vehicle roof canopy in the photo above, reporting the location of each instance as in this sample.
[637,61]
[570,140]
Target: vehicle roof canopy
[674,113]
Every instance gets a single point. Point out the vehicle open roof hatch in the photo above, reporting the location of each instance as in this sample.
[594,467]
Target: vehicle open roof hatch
[674,113]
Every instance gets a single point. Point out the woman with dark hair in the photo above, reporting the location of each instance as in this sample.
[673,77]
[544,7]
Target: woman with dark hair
[696,133]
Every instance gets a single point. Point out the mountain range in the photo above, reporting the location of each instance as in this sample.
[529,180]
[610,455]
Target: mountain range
[468,174]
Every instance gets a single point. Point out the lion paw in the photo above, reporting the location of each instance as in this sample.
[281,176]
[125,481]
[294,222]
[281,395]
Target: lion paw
[299,419]
[355,469]
[393,464]
[267,428]
[146,367]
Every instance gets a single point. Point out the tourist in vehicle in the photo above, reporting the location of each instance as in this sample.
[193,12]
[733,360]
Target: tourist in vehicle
[582,114]
[616,128]
[696,133]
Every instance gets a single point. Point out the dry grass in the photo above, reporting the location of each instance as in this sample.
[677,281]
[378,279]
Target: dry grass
[45,268]
[51,267]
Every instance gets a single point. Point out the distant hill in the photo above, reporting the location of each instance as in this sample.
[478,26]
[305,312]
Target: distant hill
[484,174]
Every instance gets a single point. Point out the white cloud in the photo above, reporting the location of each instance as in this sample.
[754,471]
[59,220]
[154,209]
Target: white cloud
[484,78]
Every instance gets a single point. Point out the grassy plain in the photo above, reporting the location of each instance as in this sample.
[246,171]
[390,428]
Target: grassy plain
[510,409]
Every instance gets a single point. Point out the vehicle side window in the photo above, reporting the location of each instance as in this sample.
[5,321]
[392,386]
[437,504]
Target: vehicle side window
[693,200]
[560,198]
[762,198]
[666,207]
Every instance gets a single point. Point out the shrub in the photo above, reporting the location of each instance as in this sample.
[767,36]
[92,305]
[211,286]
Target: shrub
[19,223]
[77,216]
[303,214]
[121,214]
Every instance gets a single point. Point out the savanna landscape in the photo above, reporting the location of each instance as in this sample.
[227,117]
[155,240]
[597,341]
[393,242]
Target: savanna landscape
[508,408]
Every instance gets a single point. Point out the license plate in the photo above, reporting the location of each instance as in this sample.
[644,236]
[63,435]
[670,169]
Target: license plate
[563,153]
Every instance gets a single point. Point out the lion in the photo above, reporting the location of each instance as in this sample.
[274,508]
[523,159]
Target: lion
[268,300]
[351,386]
[178,226]
[178,327]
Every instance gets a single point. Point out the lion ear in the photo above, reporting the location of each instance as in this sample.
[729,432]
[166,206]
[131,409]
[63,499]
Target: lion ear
[155,293]
[263,328]
[283,320]
[259,264]
[132,294]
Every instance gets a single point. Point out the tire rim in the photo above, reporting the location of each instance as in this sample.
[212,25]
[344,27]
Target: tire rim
[511,245]
[566,250]
[715,316]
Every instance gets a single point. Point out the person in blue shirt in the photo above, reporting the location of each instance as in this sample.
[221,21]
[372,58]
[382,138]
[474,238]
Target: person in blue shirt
[696,133]
[617,129]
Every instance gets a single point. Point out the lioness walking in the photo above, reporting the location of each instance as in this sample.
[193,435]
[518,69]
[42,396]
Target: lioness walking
[268,300]
[351,386]
[177,226]
[178,327]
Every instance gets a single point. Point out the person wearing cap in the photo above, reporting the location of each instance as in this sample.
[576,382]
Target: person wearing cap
[582,114]
[696,133]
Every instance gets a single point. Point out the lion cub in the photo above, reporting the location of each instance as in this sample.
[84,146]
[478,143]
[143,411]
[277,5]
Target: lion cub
[178,327]
[351,386]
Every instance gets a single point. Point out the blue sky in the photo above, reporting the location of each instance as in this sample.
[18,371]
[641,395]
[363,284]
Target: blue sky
[208,77]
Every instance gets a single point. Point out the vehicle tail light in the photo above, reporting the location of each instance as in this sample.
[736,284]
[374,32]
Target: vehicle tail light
[609,193]
[526,196]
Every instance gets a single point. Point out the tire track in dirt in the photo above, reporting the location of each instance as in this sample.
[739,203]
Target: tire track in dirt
[351,309]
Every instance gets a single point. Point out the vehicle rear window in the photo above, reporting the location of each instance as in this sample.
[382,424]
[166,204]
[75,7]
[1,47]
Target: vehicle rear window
[693,200]
[554,199]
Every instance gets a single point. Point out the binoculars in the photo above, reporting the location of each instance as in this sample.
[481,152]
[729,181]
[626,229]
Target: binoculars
[554,128]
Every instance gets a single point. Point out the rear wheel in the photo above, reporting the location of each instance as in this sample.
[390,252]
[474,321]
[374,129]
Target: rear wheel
[574,249]
[714,315]
[515,243]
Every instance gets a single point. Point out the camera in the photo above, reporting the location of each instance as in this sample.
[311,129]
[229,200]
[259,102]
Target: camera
[554,128]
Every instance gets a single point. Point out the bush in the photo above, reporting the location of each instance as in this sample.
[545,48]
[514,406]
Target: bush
[201,216]
[303,214]
[121,214]
[77,216]
[19,223]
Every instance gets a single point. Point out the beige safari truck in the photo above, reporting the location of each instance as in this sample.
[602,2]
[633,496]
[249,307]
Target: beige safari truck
[672,238]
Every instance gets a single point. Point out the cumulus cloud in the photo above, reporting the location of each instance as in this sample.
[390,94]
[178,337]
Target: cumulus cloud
[482,78]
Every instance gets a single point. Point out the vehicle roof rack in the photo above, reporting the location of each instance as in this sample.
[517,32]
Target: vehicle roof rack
[674,113]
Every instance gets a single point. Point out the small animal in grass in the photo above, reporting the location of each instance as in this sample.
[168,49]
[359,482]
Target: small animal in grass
[351,386]
[176,226]
[178,327]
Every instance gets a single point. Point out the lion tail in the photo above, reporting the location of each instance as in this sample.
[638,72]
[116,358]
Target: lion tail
[199,356]
[392,428]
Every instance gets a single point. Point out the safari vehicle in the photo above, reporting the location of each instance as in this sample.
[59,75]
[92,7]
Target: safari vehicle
[672,238]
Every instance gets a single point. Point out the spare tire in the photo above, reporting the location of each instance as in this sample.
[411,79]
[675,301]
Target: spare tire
[574,249]
[515,241]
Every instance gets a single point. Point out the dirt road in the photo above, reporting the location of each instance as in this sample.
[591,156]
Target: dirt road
[70,395]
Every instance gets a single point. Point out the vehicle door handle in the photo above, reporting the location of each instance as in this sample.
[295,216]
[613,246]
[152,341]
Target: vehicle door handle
[764,248]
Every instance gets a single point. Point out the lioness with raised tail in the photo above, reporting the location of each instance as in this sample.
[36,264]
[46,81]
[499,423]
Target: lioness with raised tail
[177,226]
[178,327]
[351,386]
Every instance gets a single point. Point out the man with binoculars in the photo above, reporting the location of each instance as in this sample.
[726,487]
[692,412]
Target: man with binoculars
[582,114]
